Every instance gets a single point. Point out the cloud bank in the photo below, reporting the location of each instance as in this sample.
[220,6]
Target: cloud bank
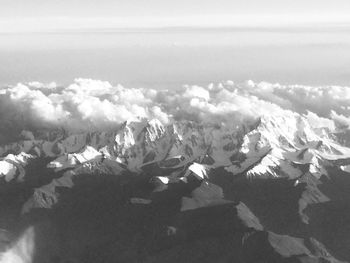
[97,105]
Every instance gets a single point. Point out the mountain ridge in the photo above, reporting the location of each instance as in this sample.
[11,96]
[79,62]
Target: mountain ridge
[271,147]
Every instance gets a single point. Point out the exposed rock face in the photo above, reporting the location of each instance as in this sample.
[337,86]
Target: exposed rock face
[181,181]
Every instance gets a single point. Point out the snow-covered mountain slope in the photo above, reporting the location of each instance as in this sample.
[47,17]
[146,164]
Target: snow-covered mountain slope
[276,146]
[280,146]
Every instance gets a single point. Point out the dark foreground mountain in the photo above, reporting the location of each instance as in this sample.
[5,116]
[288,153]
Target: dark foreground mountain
[272,190]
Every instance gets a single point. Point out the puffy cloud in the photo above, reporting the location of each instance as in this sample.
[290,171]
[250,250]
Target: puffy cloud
[196,92]
[318,122]
[160,115]
[340,119]
[319,99]
[92,104]
[91,87]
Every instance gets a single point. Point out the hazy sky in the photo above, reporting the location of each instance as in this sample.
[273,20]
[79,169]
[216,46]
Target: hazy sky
[168,7]
[37,15]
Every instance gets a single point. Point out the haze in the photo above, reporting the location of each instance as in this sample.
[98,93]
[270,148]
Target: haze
[170,43]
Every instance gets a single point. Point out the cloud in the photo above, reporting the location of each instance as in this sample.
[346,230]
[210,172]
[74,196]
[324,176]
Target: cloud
[319,122]
[340,119]
[196,92]
[97,105]
[319,99]
[325,101]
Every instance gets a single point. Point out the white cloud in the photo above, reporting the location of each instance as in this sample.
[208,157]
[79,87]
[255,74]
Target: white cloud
[340,119]
[196,92]
[92,104]
[319,122]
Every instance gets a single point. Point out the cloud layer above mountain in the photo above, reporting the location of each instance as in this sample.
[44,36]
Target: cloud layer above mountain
[97,105]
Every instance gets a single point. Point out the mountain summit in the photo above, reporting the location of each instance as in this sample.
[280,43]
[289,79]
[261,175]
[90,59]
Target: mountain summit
[198,166]
[250,172]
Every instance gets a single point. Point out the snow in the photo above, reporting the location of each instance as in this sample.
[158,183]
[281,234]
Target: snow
[7,170]
[247,217]
[345,168]
[12,166]
[88,154]
[137,200]
[63,162]
[21,158]
[71,160]
[275,147]
[288,246]
[282,144]
[207,194]
[198,170]
[162,179]
[249,130]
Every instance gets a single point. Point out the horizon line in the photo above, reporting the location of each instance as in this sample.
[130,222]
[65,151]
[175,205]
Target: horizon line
[211,22]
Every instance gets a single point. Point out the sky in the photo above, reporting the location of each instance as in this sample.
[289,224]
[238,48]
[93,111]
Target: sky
[44,15]
[133,42]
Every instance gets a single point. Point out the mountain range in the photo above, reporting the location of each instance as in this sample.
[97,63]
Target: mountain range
[269,189]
